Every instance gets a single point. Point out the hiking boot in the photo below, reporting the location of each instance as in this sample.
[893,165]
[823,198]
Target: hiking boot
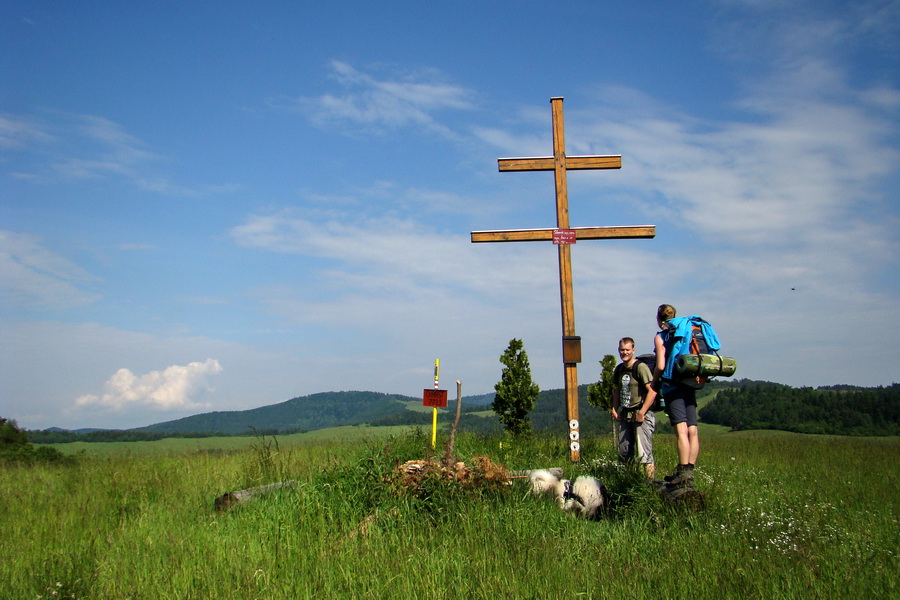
[678,470]
[682,478]
[686,484]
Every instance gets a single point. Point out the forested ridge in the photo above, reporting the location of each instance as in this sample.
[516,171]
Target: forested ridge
[838,410]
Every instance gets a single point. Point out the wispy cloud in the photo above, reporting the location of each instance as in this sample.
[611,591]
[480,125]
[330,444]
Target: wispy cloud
[793,186]
[69,147]
[33,276]
[106,150]
[18,132]
[172,389]
[395,101]
[379,253]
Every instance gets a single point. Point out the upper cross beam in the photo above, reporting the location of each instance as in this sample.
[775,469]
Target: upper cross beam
[548,163]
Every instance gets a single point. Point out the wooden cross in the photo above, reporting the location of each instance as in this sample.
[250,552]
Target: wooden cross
[564,236]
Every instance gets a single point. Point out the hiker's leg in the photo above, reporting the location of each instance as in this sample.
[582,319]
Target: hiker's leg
[626,441]
[645,433]
[693,444]
[678,417]
[690,409]
[683,443]
[684,421]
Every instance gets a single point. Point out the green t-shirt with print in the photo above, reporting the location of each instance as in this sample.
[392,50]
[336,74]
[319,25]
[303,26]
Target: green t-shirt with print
[632,383]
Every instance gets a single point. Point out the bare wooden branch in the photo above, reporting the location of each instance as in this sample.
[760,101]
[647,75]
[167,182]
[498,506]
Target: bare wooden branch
[449,454]
[527,473]
[229,499]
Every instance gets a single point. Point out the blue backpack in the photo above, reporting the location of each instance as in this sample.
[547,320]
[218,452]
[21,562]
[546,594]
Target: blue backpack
[692,353]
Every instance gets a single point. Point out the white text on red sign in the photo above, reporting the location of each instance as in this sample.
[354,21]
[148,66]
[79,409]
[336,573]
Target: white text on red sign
[563,236]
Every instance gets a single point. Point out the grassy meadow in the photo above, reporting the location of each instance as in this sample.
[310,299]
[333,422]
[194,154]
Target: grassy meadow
[786,516]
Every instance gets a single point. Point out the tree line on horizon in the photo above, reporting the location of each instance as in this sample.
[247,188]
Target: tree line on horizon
[837,410]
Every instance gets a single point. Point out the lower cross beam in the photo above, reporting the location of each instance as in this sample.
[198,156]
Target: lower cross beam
[581,233]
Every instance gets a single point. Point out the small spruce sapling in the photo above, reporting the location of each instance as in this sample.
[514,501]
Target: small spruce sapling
[516,392]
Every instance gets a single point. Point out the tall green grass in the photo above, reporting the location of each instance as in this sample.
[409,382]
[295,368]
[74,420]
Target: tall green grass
[786,516]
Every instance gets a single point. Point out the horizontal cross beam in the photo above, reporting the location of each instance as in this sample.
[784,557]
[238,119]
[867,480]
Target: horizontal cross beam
[581,233]
[547,163]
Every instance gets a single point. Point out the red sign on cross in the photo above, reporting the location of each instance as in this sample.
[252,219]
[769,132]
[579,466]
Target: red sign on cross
[563,236]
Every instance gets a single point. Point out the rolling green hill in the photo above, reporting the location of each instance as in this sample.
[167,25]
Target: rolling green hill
[306,413]
[336,409]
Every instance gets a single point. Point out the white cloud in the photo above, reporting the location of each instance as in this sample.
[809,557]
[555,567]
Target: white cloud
[46,365]
[171,389]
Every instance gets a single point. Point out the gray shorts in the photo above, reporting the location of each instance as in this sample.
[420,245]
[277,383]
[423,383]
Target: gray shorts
[681,405]
[628,447]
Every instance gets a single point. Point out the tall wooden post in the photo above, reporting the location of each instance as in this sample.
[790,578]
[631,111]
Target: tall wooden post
[564,236]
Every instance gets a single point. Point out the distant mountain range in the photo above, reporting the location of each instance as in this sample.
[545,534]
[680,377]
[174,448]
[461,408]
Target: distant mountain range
[75,431]
[307,413]
[335,409]
[330,409]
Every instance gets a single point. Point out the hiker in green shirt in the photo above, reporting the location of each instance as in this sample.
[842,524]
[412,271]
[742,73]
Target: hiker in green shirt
[633,396]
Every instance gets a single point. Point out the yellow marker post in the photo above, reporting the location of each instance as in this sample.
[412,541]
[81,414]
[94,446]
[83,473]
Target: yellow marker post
[436,399]
[437,374]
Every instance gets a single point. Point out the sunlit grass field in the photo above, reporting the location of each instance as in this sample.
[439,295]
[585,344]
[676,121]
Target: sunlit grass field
[786,516]
[231,443]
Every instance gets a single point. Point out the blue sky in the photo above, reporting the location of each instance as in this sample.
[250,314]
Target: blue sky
[218,206]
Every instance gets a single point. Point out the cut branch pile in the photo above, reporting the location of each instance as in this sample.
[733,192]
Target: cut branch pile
[483,473]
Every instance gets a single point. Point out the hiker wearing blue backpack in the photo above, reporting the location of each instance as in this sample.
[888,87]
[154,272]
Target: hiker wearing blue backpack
[687,356]
[681,399]
[632,400]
